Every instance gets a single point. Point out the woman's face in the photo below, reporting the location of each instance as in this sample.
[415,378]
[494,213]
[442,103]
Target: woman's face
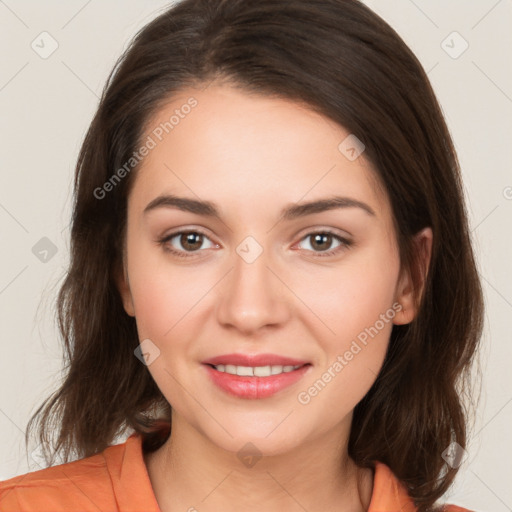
[250,280]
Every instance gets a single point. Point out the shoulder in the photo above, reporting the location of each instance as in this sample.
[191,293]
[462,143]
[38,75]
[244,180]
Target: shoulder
[83,485]
[390,494]
[112,481]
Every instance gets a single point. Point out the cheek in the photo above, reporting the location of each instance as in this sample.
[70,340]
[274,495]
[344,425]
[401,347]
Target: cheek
[335,390]
[352,357]
[355,303]
[155,306]
[163,292]
[351,297]
[164,297]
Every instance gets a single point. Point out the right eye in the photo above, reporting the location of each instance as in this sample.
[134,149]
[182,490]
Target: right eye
[189,240]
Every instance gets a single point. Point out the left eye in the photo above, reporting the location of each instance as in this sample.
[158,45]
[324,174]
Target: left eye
[322,242]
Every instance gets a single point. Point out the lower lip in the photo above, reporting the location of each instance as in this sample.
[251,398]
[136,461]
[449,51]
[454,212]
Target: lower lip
[255,387]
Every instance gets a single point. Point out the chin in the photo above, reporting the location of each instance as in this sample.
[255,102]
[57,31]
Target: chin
[264,434]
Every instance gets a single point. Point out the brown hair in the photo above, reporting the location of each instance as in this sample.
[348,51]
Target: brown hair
[346,63]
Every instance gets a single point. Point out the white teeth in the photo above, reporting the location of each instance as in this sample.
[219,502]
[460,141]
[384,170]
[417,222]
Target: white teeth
[245,371]
[262,371]
[255,371]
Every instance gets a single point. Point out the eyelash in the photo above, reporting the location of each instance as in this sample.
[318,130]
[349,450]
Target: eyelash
[183,254]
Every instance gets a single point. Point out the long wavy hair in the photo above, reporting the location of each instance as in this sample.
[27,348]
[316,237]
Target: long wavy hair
[345,62]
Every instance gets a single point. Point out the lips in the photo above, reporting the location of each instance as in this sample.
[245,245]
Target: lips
[254,360]
[247,385]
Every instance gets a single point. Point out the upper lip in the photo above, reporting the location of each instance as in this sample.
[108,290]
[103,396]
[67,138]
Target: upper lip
[254,360]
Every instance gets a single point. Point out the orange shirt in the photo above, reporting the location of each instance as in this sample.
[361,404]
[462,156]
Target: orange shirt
[117,480]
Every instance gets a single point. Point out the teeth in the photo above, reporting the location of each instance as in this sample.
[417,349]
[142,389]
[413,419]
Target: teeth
[255,371]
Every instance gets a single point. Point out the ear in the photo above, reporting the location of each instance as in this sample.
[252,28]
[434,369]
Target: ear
[405,293]
[123,285]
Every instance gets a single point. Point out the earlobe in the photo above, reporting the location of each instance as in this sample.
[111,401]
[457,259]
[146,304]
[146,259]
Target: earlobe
[406,294]
[123,287]
[405,298]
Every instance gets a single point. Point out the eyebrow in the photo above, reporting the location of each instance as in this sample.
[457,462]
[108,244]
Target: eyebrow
[289,212]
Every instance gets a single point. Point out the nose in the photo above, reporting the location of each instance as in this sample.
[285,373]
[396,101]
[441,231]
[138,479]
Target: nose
[253,295]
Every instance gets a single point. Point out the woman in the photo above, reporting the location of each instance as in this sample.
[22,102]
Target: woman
[272,286]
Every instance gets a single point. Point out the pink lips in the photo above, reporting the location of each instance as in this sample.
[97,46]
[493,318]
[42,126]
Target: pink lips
[254,387]
[254,360]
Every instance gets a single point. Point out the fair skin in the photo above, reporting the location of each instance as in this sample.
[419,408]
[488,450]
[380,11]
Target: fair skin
[253,156]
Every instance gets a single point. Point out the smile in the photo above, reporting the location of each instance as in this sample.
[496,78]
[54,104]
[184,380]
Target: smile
[255,382]
[255,371]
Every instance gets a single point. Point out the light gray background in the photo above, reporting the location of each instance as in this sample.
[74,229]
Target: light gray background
[47,104]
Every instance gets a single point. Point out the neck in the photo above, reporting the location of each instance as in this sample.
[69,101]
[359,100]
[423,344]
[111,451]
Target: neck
[189,472]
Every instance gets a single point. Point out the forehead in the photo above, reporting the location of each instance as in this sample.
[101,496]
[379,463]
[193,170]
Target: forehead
[226,143]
